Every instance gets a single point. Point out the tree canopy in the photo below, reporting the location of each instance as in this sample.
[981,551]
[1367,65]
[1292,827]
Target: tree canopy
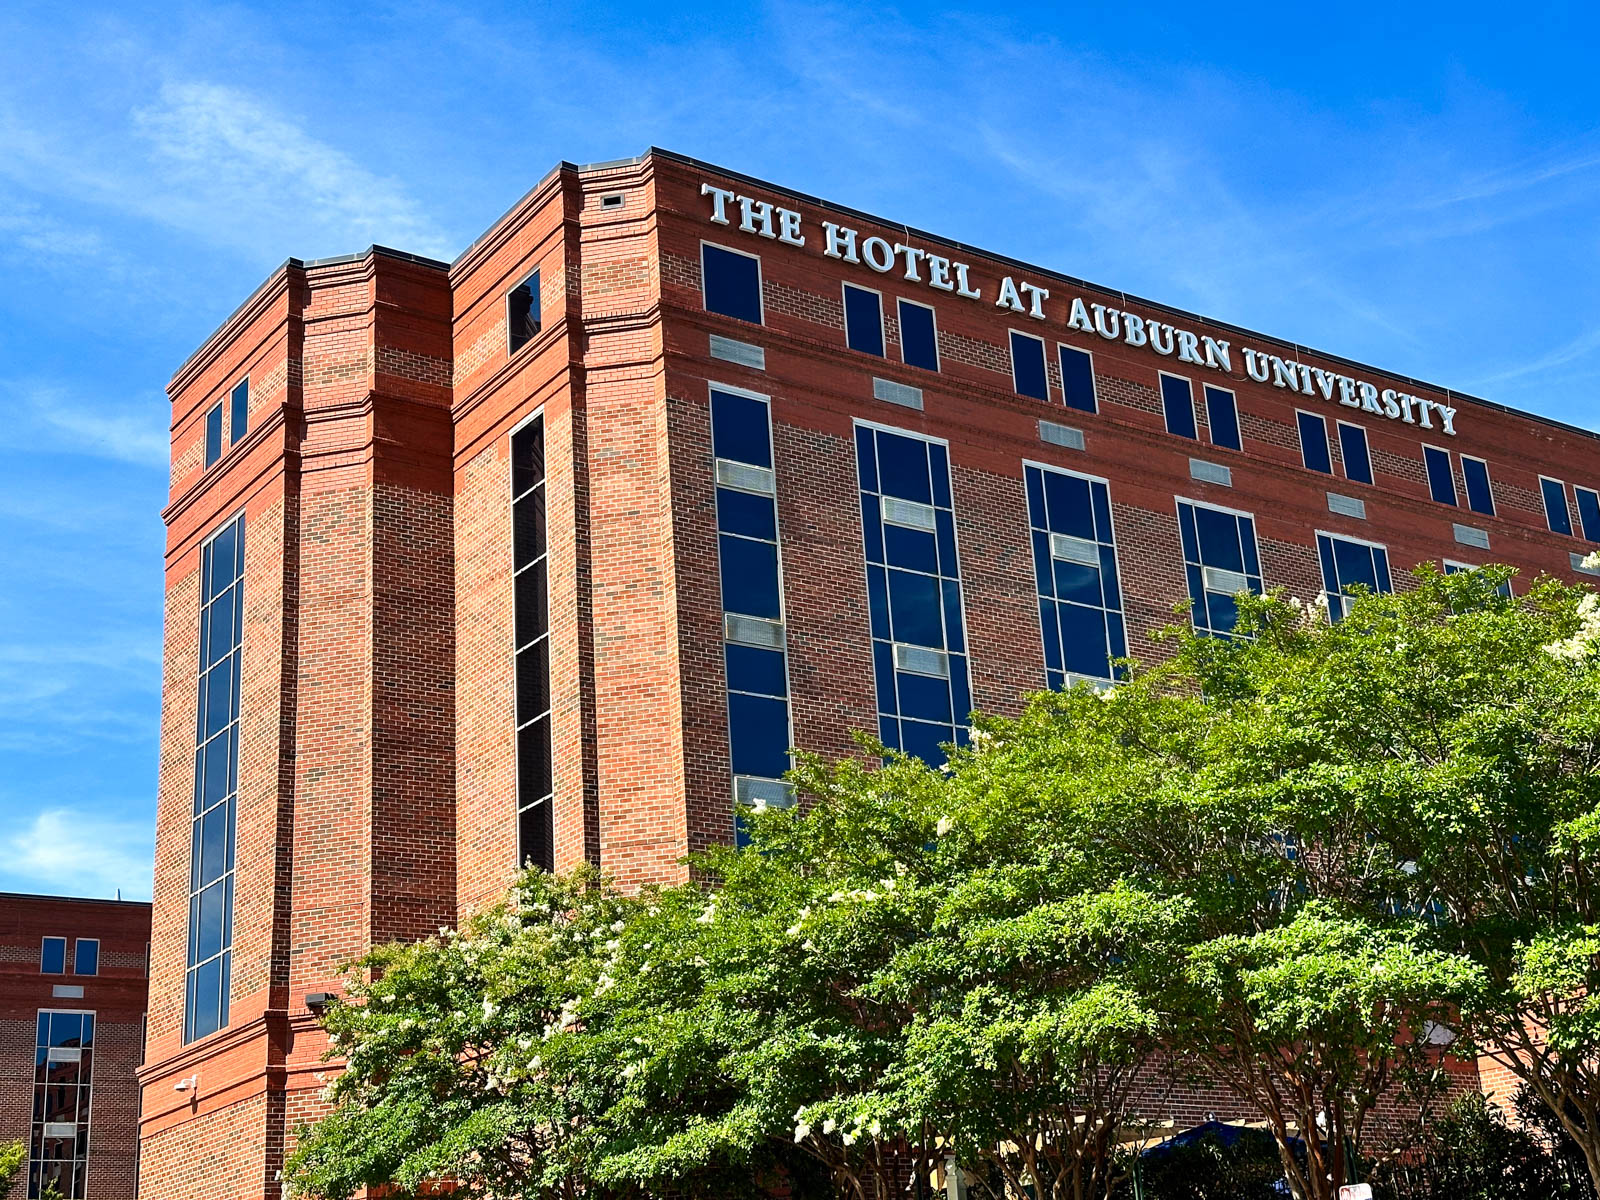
[1291,863]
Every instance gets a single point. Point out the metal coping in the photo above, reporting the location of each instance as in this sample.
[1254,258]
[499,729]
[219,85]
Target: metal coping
[909,230]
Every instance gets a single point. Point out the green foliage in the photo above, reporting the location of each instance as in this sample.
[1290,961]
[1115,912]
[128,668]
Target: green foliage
[1205,1169]
[13,1161]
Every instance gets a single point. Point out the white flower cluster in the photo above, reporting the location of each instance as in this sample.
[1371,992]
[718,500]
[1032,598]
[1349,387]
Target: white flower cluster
[1582,643]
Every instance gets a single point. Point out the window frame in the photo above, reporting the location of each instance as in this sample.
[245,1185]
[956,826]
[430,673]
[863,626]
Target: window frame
[1044,362]
[238,419]
[1094,382]
[845,287]
[517,807]
[1449,475]
[1206,389]
[88,1122]
[1322,423]
[1366,447]
[900,304]
[43,942]
[77,950]
[1582,528]
[1178,502]
[761,297]
[1488,483]
[1166,417]
[219,411]
[1370,544]
[538,308]
[1566,509]
[1111,514]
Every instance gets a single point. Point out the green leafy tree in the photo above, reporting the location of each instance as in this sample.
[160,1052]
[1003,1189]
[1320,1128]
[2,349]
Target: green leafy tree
[13,1161]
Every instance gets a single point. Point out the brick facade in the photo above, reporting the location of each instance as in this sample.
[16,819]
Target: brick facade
[116,996]
[378,765]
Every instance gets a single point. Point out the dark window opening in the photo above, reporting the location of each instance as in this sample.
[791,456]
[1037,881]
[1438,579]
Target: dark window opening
[523,314]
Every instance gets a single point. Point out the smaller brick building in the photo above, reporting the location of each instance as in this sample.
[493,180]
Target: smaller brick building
[74,975]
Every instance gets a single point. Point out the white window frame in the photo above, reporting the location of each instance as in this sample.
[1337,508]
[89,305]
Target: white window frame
[883,334]
[538,300]
[933,314]
[1359,541]
[1044,362]
[76,943]
[1577,529]
[1255,538]
[1450,471]
[1545,505]
[1194,417]
[1094,382]
[516,722]
[50,937]
[1300,435]
[761,282]
[1366,441]
[1211,434]
[88,1141]
[1488,478]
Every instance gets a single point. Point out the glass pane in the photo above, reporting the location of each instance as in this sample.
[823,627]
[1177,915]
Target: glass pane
[534,768]
[209,941]
[758,735]
[924,697]
[939,469]
[1027,367]
[1219,539]
[753,670]
[913,549]
[866,459]
[1353,447]
[1223,416]
[213,844]
[1555,506]
[1083,640]
[1177,402]
[739,429]
[528,532]
[1480,497]
[1353,563]
[1077,378]
[863,320]
[732,284]
[918,341]
[1314,443]
[922,740]
[1067,504]
[527,457]
[746,514]
[883,675]
[536,836]
[533,680]
[532,602]
[749,577]
[914,609]
[903,468]
[1441,483]
[53,956]
[219,692]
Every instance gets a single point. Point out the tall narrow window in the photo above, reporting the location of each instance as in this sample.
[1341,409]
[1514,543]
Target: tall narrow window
[62,1074]
[1077,378]
[754,643]
[1441,480]
[1480,495]
[1177,404]
[216,783]
[239,411]
[1314,442]
[523,315]
[531,625]
[53,956]
[863,319]
[919,341]
[1588,512]
[86,956]
[214,433]
[732,282]
[1027,366]
[919,644]
[1556,515]
[1075,566]
[1347,563]
[1222,414]
[1353,449]
[1220,561]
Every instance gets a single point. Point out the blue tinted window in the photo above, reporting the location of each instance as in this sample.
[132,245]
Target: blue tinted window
[216,785]
[1480,496]
[1555,506]
[1220,560]
[1079,601]
[214,434]
[914,605]
[1314,443]
[53,956]
[1441,483]
[1222,413]
[1588,512]
[1177,402]
[1027,366]
[86,957]
[919,343]
[535,779]
[1353,449]
[239,410]
[1077,378]
[863,320]
[523,315]
[732,283]
[1347,563]
[752,586]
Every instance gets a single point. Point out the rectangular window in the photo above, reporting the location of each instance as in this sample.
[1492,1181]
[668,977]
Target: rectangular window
[1452,568]
[1222,414]
[755,643]
[216,783]
[53,956]
[531,646]
[1353,449]
[62,1074]
[1347,563]
[1475,474]
[86,957]
[1220,561]
[1314,442]
[919,341]
[919,644]
[1077,378]
[863,320]
[1027,366]
[1588,512]
[238,411]
[1556,515]
[1075,566]
[732,282]
[1441,480]
[1177,402]
[524,314]
[214,433]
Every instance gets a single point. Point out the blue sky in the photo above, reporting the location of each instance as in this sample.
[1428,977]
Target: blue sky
[1416,187]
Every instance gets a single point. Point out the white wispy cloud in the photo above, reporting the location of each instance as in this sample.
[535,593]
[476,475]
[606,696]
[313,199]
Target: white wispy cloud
[51,416]
[78,852]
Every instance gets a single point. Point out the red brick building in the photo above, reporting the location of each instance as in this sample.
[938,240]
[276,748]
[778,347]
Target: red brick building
[553,551]
[73,981]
